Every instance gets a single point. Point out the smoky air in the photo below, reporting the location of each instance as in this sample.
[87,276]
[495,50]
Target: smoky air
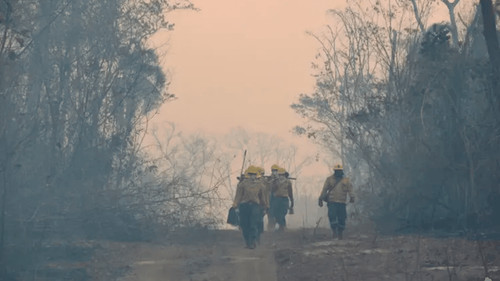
[249,140]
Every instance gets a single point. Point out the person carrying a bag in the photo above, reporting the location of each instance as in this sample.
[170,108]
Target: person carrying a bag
[250,199]
[334,193]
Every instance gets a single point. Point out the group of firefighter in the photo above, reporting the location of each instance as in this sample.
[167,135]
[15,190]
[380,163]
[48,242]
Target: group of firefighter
[258,195]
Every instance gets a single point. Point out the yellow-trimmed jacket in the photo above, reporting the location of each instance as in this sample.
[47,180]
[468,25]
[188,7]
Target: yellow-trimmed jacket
[283,188]
[339,193]
[251,190]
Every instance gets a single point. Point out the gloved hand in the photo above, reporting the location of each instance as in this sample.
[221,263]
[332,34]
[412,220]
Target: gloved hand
[351,200]
[320,202]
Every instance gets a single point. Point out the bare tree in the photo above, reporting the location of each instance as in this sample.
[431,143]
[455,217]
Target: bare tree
[451,10]
[77,82]
[191,184]
[399,106]
[490,35]
[417,15]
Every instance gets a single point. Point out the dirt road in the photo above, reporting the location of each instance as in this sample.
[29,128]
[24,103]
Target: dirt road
[299,255]
[218,258]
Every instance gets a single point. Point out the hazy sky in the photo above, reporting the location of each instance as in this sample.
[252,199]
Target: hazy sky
[241,63]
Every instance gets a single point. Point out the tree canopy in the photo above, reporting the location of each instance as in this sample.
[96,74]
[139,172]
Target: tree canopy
[411,112]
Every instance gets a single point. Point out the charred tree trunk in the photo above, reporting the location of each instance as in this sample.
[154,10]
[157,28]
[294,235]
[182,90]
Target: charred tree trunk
[417,16]
[490,36]
[453,22]
[2,220]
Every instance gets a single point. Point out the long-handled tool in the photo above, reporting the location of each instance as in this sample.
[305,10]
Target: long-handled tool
[242,166]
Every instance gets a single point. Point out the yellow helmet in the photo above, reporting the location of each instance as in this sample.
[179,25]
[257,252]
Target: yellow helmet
[338,167]
[252,170]
[275,167]
[281,171]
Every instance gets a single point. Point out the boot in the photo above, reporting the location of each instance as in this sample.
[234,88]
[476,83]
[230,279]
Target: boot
[334,234]
[271,227]
[281,228]
[271,223]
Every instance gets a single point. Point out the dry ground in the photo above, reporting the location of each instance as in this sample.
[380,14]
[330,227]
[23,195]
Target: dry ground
[410,257]
[305,254]
[213,256]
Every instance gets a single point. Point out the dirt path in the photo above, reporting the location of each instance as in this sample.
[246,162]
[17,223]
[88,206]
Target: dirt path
[221,258]
[298,255]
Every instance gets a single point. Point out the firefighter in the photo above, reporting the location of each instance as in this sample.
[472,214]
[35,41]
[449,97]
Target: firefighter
[271,182]
[335,191]
[282,199]
[261,176]
[250,199]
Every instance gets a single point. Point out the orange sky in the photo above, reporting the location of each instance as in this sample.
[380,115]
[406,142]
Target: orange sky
[241,63]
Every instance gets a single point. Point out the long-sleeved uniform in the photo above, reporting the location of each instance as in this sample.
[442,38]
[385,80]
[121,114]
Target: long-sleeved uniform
[336,197]
[271,182]
[250,199]
[282,194]
[251,190]
[339,193]
[283,188]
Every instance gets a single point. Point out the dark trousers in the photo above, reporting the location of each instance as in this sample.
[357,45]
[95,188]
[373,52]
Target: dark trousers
[337,215]
[271,222]
[250,217]
[261,222]
[279,209]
